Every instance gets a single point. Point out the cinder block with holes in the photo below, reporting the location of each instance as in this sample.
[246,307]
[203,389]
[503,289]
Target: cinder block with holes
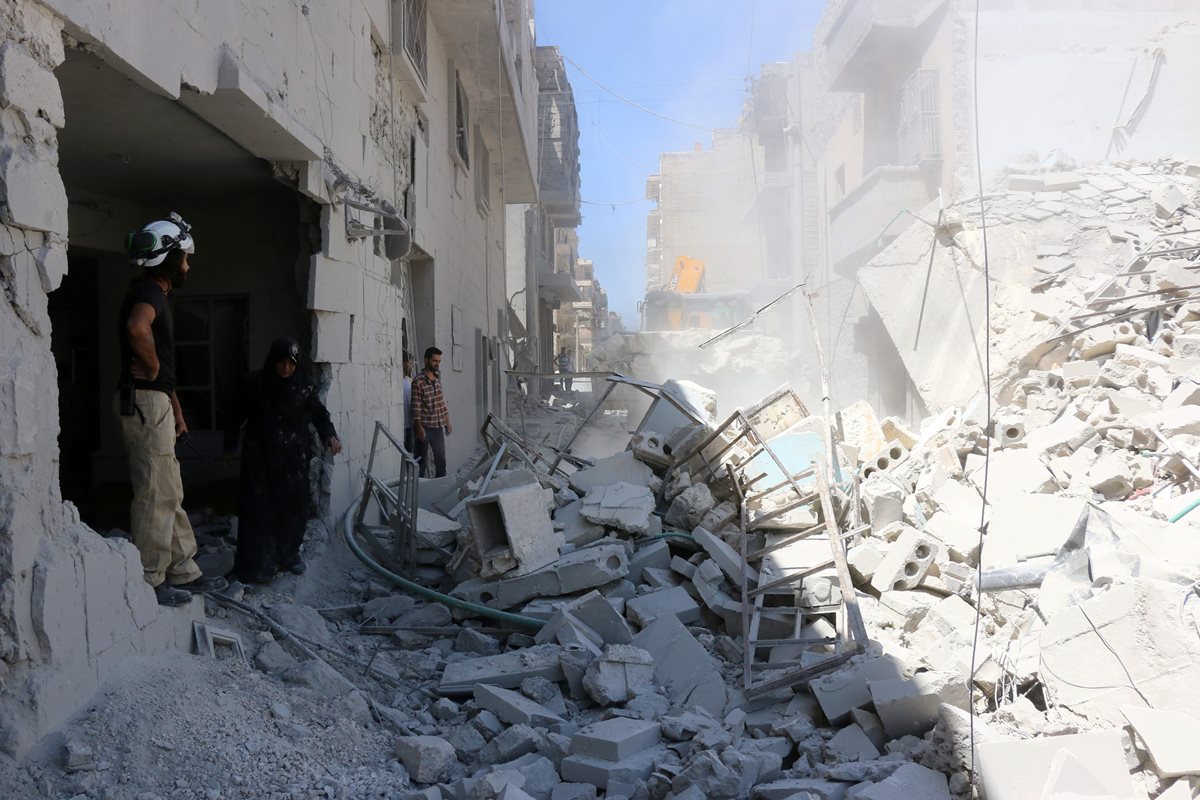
[1009,431]
[513,531]
[906,562]
[884,460]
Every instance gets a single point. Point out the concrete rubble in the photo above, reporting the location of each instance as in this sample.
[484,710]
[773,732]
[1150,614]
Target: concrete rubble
[592,640]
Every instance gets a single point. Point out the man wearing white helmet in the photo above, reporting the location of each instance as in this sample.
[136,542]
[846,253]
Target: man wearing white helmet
[151,418]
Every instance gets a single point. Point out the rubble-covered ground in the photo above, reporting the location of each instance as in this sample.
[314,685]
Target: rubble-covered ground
[589,642]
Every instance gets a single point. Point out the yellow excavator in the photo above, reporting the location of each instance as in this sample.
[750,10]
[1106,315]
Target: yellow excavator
[683,306]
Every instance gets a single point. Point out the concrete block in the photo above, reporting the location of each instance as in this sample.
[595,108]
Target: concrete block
[576,571]
[689,507]
[909,707]
[27,85]
[576,530]
[654,555]
[1171,738]
[575,791]
[724,556]
[646,608]
[719,516]
[864,558]
[884,460]
[905,562]
[1186,394]
[615,739]
[591,617]
[851,744]
[1028,525]
[1061,438]
[943,638]
[620,673]
[513,532]
[513,707]
[1025,183]
[506,670]
[1111,476]
[1087,764]
[647,447]
[427,758]
[335,286]
[622,467]
[884,500]
[839,692]
[682,665]
[682,566]
[331,337]
[911,782]
[509,744]
[1061,181]
[801,789]
[870,725]
[1168,199]
[34,197]
[620,505]
[600,773]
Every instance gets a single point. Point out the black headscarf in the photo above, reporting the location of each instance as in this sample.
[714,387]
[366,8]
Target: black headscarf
[286,394]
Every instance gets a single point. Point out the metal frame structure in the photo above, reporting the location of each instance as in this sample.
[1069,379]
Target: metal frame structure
[397,502]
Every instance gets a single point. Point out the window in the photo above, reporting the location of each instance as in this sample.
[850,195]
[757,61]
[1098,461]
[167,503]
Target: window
[483,187]
[919,136]
[211,355]
[413,19]
[460,122]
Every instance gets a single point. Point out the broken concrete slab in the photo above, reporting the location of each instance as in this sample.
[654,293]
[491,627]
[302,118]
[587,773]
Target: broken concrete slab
[851,744]
[1020,769]
[512,531]
[590,618]
[622,467]
[620,505]
[725,557]
[909,706]
[1171,738]
[911,782]
[302,620]
[506,670]
[683,666]
[634,770]
[616,739]
[846,689]
[576,530]
[689,507]
[648,447]
[513,707]
[646,608]
[905,562]
[435,530]
[653,555]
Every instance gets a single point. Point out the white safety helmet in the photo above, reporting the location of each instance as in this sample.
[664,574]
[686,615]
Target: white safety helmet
[149,246]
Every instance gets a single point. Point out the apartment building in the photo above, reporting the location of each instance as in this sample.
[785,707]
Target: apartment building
[346,168]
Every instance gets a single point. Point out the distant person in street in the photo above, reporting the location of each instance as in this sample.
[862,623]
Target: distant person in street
[150,414]
[431,418]
[563,360]
[278,405]
[409,441]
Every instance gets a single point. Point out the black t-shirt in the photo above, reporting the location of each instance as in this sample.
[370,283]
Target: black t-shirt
[149,292]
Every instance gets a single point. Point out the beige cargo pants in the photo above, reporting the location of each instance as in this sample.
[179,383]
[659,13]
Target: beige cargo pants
[161,530]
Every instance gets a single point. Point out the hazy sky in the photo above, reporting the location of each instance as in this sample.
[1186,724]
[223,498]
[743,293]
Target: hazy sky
[686,59]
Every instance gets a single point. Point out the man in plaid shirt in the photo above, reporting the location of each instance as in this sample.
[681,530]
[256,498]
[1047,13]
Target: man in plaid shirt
[431,418]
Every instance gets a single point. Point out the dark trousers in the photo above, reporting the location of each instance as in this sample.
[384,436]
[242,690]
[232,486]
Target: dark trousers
[409,440]
[435,440]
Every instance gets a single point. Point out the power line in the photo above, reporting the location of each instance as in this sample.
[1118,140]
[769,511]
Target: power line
[634,103]
[614,205]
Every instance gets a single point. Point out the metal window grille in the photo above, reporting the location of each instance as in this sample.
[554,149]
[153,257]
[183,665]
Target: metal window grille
[414,39]
[920,137]
[462,121]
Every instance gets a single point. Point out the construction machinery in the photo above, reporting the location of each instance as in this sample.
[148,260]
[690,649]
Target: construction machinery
[682,305]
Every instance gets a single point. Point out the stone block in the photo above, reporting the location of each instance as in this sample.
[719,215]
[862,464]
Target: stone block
[1168,199]
[27,85]
[839,692]
[616,739]
[905,562]
[1061,181]
[1169,736]
[513,532]
[1082,764]
[618,674]
[506,670]
[622,467]
[653,555]
[645,609]
[1025,183]
[635,769]
[513,707]
[427,758]
[683,666]
[647,447]
[864,558]
[620,505]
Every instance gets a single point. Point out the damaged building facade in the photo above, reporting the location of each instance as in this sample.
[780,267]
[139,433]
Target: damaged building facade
[346,169]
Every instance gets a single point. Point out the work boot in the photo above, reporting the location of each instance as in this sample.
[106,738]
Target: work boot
[171,596]
[203,584]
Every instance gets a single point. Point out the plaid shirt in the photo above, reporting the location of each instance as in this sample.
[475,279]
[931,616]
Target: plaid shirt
[428,404]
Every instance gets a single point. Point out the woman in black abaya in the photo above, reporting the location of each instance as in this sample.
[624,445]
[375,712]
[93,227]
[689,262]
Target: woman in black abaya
[278,405]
